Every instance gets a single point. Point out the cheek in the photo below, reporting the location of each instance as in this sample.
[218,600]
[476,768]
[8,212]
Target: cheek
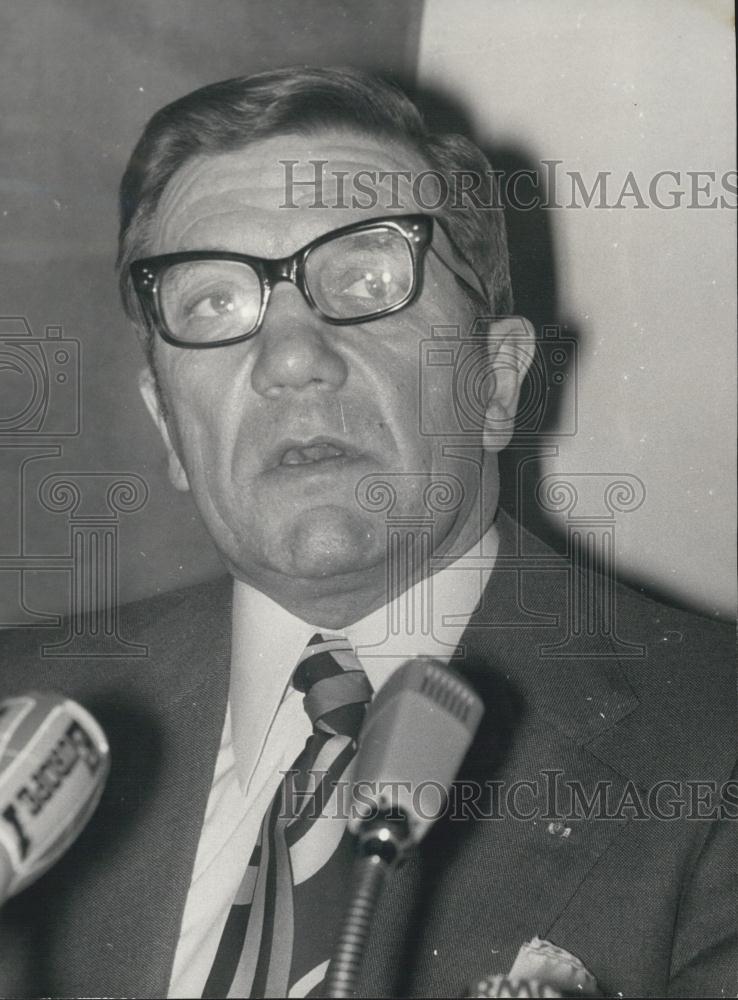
[419,394]
[397,388]
[197,396]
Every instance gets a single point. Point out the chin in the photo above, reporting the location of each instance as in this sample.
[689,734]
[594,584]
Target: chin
[331,541]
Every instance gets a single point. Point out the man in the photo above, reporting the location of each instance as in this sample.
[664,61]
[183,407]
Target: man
[286,330]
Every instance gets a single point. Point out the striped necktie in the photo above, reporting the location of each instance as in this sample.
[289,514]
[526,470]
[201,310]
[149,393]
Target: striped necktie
[285,919]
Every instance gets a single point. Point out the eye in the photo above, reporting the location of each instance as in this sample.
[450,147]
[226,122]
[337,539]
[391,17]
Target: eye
[217,303]
[206,299]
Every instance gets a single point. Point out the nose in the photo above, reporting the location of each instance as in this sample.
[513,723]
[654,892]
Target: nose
[295,349]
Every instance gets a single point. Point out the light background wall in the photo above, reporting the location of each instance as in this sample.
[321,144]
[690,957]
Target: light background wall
[649,294]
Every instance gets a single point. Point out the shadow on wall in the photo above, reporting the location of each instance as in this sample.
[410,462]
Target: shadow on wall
[548,405]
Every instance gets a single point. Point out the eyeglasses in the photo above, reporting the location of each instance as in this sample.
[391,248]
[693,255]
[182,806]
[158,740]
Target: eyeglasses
[208,298]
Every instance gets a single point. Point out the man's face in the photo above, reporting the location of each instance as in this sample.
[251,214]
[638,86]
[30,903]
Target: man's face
[272,435]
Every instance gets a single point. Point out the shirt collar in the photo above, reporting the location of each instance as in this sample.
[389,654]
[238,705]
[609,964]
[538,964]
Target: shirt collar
[267,640]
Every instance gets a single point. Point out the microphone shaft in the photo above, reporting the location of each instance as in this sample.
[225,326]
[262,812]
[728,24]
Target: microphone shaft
[369,876]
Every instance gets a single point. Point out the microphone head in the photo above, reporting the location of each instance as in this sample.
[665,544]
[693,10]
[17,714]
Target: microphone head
[503,986]
[54,761]
[414,739]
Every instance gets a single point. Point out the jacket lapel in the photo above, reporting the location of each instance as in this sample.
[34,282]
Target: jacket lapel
[487,879]
[120,893]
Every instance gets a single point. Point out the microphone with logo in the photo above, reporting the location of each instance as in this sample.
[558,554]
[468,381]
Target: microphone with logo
[416,734]
[54,761]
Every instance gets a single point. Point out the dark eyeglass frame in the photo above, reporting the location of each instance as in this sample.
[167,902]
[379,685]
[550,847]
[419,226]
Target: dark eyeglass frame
[417,229]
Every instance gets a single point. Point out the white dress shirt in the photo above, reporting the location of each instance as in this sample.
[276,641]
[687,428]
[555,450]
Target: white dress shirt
[266,727]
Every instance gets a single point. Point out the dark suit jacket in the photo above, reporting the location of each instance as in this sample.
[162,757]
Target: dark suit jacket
[645,903]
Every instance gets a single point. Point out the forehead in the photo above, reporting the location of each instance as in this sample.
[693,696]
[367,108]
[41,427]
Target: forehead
[279,193]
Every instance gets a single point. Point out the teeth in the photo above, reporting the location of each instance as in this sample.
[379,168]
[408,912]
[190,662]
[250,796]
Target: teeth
[312,453]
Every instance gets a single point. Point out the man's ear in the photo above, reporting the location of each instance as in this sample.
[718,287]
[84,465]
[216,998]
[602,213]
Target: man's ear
[512,344]
[150,393]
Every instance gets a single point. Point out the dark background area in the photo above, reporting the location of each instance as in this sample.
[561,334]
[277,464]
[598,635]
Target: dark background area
[79,79]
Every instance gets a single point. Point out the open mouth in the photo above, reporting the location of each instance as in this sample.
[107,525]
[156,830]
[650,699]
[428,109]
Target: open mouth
[320,451]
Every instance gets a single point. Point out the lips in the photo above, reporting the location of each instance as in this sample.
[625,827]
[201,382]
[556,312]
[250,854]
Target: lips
[311,452]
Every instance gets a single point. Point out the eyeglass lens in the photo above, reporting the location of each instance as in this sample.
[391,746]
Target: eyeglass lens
[360,273]
[207,300]
[354,275]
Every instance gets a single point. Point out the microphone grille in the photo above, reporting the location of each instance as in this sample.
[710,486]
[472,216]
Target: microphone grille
[447,691]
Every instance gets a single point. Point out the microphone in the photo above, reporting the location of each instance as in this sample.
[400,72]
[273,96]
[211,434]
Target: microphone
[504,986]
[414,739]
[54,761]
[416,734]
